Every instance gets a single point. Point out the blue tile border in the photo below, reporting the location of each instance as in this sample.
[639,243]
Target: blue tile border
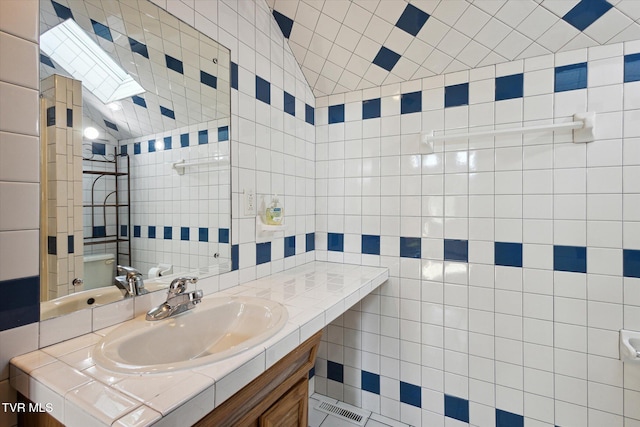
[309,114]
[570,77]
[138,100]
[386,58]
[371,109]
[335,371]
[289,246]
[456,250]
[263,253]
[234,75]
[203,137]
[168,233]
[289,103]
[370,244]
[632,68]
[411,102]
[410,394]
[167,112]
[223,235]
[631,263]
[370,382]
[335,242]
[208,79]
[509,87]
[508,419]
[412,20]
[456,95]
[235,257]
[263,90]
[508,254]
[586,12]
[410,247]
[139,48]
[456,408]
[223,133]
[310,242]
[174,64]
[184,140]
[21,304]
[62,11]
[101,30]
[570,258]
[184,233]
[203,234]
[336,113]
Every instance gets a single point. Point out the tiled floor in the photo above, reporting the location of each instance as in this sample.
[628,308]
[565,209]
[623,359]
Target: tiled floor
[320,419]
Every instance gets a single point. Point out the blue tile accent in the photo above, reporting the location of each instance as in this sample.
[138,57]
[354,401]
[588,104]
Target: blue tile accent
[631,263]
[223,133]
[110,125]
[456,95]
[151,233]
[289,103]
[312,372]
[167,143]
[289,246]
[174,64]
[46,60]
[632,68]
[70,244]
[235,257]
[570,258]
[98,148]
[137,231]
[411,102]
[101,30]
[456,250]
[203,234]
[151,146]
[386,58]
[370,382]
[370,244]
[309,114]
[138,100]
[509,87]
[410,394]
[167,112]
[208,79]
[412,20]
[456,408]
[336,113]
[263,90]
[137,149]
[223,235]
[139,48]
[184,140]
[52,245]
[51,116]
[508,419]
[63,12]
[234,76]
[335,242]
[203,137]
[99,231]
[69,118]
[310,242]
[586,12]
[335,371]
[184,233]
[124,230]
[284,22]
[22,307]
[263,253]
[124,149]
[410,247]
[371,108]
[508,254]
[168,233]
[570,77]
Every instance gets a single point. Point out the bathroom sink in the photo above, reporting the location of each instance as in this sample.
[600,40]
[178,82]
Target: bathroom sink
[218,328]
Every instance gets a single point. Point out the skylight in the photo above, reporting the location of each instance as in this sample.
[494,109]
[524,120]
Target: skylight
[71,47]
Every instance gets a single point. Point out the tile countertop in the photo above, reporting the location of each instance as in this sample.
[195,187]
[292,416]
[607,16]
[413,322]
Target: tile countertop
[65,381]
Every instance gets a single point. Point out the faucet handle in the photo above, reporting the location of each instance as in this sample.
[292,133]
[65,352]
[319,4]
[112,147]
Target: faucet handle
[179,285]
[128,271]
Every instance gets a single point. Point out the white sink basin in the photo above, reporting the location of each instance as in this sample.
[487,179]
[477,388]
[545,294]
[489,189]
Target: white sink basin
[215,329]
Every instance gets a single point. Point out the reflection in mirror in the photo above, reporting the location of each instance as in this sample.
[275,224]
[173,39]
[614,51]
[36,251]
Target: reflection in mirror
[139,177]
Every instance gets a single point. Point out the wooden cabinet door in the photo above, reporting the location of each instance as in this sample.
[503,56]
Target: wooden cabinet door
[290,410]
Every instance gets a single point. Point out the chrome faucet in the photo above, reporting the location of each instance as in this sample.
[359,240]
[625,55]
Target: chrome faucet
[178,299]
[130,281]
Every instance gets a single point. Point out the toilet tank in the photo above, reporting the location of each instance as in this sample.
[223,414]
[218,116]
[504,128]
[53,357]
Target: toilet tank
[99,270]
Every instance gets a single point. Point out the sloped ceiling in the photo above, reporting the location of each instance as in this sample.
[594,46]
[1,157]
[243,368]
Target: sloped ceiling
[344,45]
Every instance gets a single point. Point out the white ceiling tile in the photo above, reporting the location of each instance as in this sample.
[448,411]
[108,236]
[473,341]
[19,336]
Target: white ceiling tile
[339,55]
[331,71]
[491,59]
[513,45]
[533,50]
[327,27]
[325,85]
[398,41]
[492,34]
[608,26]
[489,6]
[337,9]
[579,42]
[367,49]
[316,4]
[347,38]
[286,7]
[631,8]
[349,80]
[557,36]
[455,66]
[426,5]
[433,31]
[391,79]
[378,29]
[437,61]
[301,36]
[370,5]
[473,53]
[375,74]
[422,73]
[559,7]
[357,18]
[320,46]
[453,43]
[539,21]
[472,21]
[313,61]
[390,10]
[631,33]
[306,16]
[405,68]
[514,12]
[449,11]
[417,51]
[311,75]
[358,65]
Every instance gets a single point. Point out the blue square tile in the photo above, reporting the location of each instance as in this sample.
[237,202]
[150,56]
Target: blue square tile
[386,58]
[570,77]
[184,233]
[234,76]
[167,112]
[411,102]
[167,142]
[70,244]
[44,59]
[263,253]
[509,87]
[23,305]
[456,250]
[138,100]
[456,95]
[410,394]
[110,125]
[586,12]
[52,245]
[312,372]
[223,235]
[203,234]
[51,116]
[632,68]
[124,150]
[335,242]
[371,108]
[208,79]
[69,118]
[336,113]
[151,146]
[124,230]
[235,257]
[137,148]
[508,419]
[456,408]
[101,30]
[137,231]
[223,133]
[631,263]
[289,246]
[139,48]
[410,247]
[289,103]
[370,244]
[63,12]
[99,231]
[174,64]
[335,371]
[184,140]
[98,148]
[508,254]
[309,114]
[570,258]
[310,242]
[412,20]
[168,233]
[151,232]
[263,90]
[370,382]
[284,22]
[203,137]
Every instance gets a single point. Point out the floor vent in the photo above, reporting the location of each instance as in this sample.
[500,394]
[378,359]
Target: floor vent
[346,412]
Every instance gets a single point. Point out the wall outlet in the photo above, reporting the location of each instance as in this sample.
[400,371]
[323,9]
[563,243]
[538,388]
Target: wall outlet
[249,202]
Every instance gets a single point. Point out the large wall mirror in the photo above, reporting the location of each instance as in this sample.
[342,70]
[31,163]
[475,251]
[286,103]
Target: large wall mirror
[135,170]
